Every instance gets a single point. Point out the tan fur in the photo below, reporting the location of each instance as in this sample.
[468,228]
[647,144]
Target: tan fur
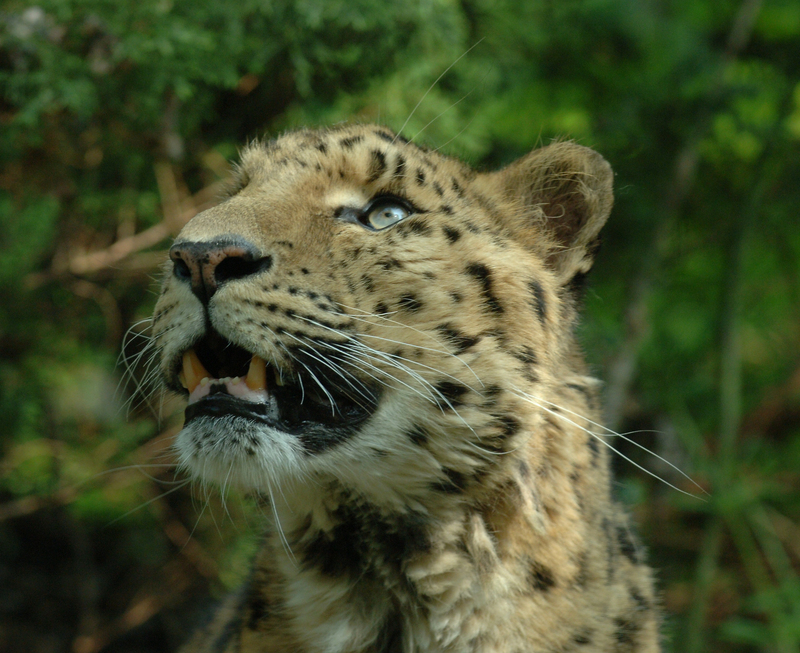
[472,510]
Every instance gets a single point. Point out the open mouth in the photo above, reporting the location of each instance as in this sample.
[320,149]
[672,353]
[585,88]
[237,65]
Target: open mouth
[223,380]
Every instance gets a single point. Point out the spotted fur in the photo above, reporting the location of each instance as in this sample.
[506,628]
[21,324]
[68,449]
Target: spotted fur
[470,511]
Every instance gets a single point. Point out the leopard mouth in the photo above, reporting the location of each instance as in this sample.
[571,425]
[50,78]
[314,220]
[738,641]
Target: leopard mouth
[225,380]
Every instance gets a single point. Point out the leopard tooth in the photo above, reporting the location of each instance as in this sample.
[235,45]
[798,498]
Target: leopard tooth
[193,371]
[278,377]
[256,378]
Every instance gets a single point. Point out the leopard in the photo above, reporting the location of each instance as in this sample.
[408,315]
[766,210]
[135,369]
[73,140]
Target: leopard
[379,344]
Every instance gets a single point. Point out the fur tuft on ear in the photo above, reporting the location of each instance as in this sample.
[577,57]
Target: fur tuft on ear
[563,194]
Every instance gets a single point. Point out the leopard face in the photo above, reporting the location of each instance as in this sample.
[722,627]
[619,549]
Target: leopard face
[362,311]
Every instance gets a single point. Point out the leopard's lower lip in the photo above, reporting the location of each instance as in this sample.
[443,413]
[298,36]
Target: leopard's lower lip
[293,407]
[220,405]
[285,411]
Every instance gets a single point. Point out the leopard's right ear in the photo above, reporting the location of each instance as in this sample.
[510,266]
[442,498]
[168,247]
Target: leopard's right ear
[561,196]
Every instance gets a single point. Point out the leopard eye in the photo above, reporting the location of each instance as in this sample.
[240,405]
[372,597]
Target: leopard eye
[385,212]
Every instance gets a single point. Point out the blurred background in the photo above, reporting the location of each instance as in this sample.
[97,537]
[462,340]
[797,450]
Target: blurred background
[118,122]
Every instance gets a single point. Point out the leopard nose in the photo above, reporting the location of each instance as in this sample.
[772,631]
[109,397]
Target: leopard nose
[209,264]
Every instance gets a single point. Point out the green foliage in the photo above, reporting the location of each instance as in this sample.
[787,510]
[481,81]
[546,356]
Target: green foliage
[117,118]
[26,235]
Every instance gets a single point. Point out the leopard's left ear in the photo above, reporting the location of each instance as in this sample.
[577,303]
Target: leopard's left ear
[561,197]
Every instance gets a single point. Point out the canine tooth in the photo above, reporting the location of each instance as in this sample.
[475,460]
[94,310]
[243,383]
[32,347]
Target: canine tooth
[257,374]
[278,377]
[193,371]
[182,379]
[205,380]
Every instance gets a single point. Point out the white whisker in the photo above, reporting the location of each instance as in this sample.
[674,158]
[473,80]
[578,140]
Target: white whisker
[625,437]
[399,342]
[149,501]
[279,527]
[433,120]
[431,87]
[533,401]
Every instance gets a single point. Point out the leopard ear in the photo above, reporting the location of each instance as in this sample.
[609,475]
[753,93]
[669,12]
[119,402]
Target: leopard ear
[563,195]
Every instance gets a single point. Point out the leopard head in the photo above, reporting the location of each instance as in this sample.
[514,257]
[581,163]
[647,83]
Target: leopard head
[362,311]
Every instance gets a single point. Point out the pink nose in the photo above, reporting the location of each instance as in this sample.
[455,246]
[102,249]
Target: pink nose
[209,264]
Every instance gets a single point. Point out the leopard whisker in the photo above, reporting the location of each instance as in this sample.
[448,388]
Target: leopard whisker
[321,386]
[396,363]
[436,395]
[433,120]
[330,365]
[224,492]
[348,377]
[145,385]
[416,363]
[206,504]
[357,363]
[206,487]
[438,351]
[149,501]
[625,436]
[299,378]
[431,87]
[375,355]
[129,365]
[138,467]
[278,526]
[489,452]
[599,438]
[461,131]
[356,360]
[426,334]
[383,320]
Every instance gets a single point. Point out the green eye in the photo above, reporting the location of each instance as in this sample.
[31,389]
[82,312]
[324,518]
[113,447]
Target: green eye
[383,213]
